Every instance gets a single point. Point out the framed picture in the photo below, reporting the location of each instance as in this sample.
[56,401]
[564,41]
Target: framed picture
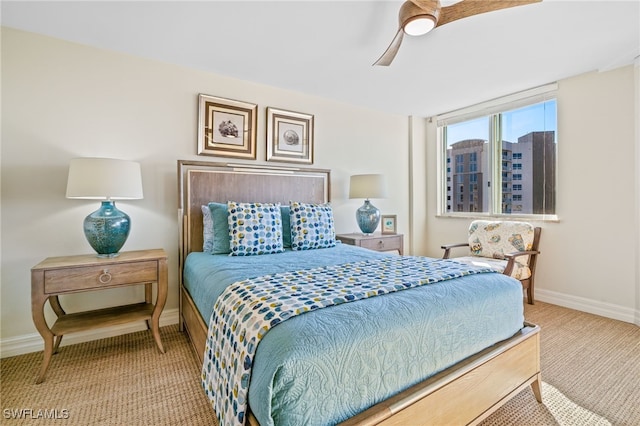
[289,136]
[226,128]
[389,225]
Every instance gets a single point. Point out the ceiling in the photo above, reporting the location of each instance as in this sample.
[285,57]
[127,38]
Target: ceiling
[327,48]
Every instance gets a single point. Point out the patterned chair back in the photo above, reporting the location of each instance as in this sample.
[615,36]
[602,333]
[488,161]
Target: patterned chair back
[493,239]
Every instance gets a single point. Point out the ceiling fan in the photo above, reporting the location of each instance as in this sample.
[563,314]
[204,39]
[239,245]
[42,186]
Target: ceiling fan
[418,17]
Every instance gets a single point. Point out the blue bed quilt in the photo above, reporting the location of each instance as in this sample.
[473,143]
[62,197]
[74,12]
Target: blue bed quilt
[375,347]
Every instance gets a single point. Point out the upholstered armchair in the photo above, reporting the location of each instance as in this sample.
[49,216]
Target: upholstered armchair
[509,247]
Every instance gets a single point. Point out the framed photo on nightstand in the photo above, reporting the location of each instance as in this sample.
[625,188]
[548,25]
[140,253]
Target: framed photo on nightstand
[389,224]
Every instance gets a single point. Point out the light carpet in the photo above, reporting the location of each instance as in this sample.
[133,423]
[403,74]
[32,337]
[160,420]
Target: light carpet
[590,369]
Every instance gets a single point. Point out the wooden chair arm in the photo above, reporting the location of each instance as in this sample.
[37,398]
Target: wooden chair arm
[447,248]
[521,253]
[511,257]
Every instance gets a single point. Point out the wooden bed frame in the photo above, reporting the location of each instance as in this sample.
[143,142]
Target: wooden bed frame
[465,393]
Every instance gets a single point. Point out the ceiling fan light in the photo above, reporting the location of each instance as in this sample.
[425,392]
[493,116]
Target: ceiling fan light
[419,25]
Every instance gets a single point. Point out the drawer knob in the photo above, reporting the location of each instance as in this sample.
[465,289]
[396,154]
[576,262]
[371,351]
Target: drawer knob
[105,277]
[381,244]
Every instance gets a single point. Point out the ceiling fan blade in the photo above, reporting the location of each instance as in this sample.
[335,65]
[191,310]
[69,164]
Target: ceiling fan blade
[391,52]
[466,8]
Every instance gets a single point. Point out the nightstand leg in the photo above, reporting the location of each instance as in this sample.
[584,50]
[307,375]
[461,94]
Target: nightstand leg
[57,308]
[48,351]
[37,312]
[148,298]
[56,345]
[161,299]
[55,305]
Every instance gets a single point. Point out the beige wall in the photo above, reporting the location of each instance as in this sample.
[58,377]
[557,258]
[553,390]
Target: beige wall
[63,100]
[590,256]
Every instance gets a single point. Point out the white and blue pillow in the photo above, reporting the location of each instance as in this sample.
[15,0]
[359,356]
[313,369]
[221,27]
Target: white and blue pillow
[215,217]
[312,226]
[207,230]
[254,228]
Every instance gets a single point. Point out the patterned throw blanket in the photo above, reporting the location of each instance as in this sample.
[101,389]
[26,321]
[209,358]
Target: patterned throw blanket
[246,310]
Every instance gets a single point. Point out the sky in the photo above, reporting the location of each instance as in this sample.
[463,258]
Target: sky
[515,123]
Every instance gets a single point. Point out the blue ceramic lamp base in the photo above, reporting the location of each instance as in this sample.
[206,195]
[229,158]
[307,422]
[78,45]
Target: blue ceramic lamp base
[368,218]
[107,229]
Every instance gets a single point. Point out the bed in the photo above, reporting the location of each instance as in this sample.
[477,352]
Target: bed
[378,380]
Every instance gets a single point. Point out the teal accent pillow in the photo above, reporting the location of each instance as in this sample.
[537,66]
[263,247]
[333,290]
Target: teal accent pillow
[286,226]
[312,226]
[254,228]
[219,214]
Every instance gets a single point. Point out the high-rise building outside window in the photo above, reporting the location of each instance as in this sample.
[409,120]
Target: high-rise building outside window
[494,144]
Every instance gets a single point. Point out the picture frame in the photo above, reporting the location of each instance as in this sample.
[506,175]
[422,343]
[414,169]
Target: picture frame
[289,136]
[389,224]
[226,127]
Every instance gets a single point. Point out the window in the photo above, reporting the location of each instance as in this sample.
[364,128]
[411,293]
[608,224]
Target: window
[501,146]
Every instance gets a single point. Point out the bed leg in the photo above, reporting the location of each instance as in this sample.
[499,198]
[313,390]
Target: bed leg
[536,388]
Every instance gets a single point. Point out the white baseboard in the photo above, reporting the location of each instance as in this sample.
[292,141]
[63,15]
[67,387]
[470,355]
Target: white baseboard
[603,309]
[33,342]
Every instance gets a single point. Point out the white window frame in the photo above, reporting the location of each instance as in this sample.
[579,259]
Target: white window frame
[492,107]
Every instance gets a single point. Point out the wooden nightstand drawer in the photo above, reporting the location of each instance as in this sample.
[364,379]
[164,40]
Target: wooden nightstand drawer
[381,244]
[108,275]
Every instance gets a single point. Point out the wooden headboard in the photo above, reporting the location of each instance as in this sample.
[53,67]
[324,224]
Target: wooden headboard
[203,182]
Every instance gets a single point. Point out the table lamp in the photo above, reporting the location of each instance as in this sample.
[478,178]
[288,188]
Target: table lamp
[367,186]
[108,180]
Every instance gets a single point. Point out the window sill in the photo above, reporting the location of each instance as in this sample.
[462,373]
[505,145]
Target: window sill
[523,217]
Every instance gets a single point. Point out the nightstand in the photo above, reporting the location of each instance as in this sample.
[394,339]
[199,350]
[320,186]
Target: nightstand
[377,242]
[55,276]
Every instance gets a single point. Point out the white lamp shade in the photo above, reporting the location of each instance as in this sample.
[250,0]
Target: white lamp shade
[367,186]
[104,179]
